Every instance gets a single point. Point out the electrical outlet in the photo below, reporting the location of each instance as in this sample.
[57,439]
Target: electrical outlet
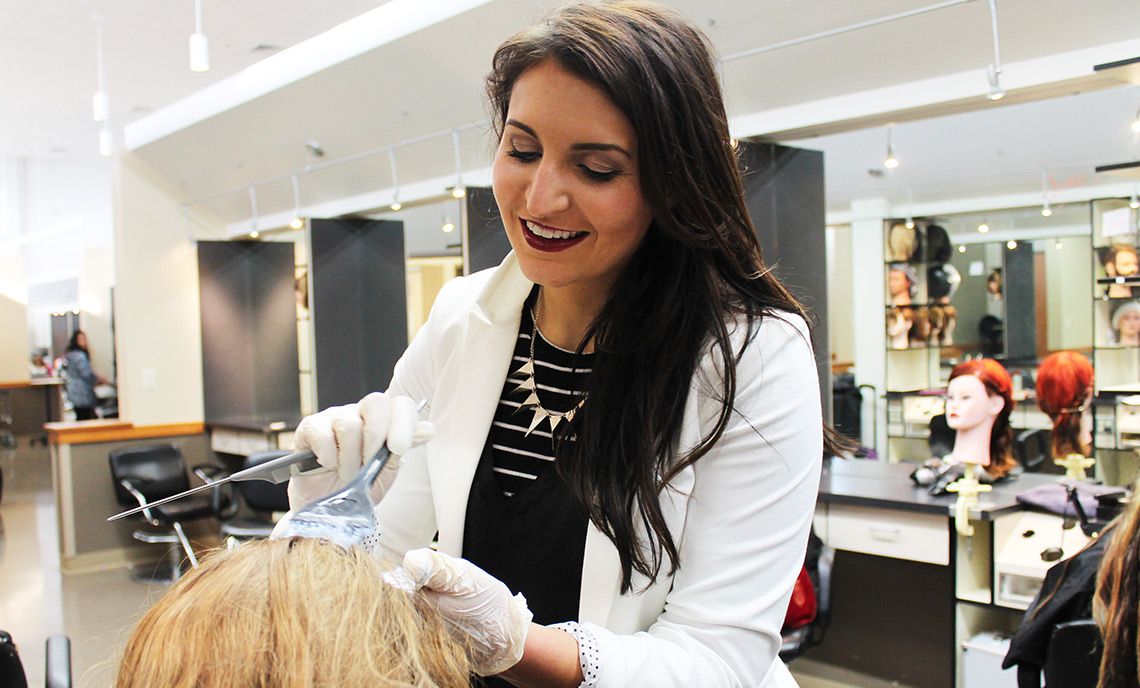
[149,379]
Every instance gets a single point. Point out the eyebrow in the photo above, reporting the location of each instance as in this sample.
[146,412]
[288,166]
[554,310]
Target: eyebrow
[576,146]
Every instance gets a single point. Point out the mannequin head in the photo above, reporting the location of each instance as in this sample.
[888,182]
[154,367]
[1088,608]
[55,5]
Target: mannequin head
[993,283]
[1126,323]
[297,612]
[902,244]
[1064,389]
[979,396]
[902,283]
[1122,261]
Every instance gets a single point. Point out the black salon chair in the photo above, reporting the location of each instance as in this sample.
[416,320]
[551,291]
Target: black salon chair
[260,500]
[144,474]
[57,664]
[1033,450]
[1073,658]
[818,561]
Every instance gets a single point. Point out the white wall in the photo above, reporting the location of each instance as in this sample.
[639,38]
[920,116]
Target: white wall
[156,299]
[840,295]
[13,319]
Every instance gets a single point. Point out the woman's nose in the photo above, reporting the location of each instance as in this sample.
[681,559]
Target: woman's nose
[546,194]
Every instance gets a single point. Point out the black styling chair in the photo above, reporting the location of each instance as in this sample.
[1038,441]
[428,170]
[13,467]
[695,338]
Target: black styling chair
[148,473]
[819,560]
[1033,450]
[254,518]
[1073,658]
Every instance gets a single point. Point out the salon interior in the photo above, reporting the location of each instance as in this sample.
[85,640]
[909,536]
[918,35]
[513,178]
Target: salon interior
[253,229]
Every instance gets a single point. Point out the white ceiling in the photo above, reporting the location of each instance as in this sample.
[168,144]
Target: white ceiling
[431,81]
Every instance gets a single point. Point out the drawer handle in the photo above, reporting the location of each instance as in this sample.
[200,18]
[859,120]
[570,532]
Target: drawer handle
[886,534]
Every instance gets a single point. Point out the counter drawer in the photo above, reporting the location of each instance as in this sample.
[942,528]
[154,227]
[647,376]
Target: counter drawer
[890,533]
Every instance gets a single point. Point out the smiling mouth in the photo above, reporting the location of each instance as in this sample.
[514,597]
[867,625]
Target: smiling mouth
[545,232]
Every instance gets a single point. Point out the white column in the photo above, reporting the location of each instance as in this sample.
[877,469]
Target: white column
[15,345]
[157,321]
[869,315]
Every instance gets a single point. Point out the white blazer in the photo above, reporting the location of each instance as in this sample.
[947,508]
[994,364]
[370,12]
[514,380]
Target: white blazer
[740,516]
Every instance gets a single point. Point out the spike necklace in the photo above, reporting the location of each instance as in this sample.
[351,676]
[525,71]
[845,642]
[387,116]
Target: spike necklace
[532,402]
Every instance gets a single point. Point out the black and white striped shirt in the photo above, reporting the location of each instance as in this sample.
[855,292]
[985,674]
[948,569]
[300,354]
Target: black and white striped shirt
[560,378]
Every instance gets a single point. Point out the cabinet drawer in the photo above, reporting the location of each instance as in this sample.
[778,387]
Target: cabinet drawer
[889,533]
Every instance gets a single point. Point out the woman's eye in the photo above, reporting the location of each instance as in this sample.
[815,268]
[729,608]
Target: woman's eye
[524,156]
[597,175]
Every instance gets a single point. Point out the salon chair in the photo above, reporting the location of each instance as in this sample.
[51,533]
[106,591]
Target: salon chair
[1073,657]
[818,561]
[145,474]
[1033,450]
[57,660]
[253,518]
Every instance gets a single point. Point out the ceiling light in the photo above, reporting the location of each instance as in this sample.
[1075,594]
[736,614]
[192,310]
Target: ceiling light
[910,223]
[993,72]
[1011,244]
[448,226]
[457,191]
[983,228]
[891,162]
[106,141]
[1057,245]
[254,234]
[1133,202]
[1136,122]
[253,212]
[100,104]
[296,222]
[199,44]
[1046,211]
[395,205]
[909,207]
[961,248]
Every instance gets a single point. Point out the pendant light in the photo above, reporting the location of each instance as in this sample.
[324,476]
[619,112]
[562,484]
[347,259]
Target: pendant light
[1134,202]
[100,104]
[297,222]
[106,140]
[1046,211]
[253,233]
[909,207]
[993,72]
[199,44]
[395,205]
[984,227]
[458,190]
[890,162]
[1136,122]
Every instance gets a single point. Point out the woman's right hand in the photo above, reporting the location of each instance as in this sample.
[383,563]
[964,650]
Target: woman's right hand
[342,437]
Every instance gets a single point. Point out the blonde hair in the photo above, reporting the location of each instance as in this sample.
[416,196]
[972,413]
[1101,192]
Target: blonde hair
[290,613]
[1116,603]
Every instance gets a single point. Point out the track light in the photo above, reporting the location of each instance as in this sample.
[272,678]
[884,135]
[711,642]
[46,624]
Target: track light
[448,226]
[1058,245]
[1136,122]
[458,190]
[199,44]
[106,142]
[100,104]
[993,72]
[1011,244]
[961,248]
[253,212]
[909,207]
[983,228]
[1134,202]
[910,223]
[1046,211]
[395,205]
[891,162]
[297,222]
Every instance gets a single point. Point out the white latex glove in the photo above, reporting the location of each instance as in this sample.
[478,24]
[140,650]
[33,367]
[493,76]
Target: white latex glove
[342,437]
[479,610]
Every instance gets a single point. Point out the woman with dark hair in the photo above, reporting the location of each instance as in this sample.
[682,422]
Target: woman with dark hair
[79,378]
[626,414]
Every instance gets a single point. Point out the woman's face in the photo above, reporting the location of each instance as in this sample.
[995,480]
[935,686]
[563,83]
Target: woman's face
[1126,263]
[566,181]
[81,340]
[898,283]
[969,404]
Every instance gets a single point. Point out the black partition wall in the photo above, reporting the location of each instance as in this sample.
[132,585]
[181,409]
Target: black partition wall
[359,306]
[249,331]
[484,240]
[783,189]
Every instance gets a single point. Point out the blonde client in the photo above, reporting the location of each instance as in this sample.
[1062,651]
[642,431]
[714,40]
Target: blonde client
[290,613]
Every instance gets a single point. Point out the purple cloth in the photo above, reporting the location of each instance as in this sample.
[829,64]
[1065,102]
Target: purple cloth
[1055,497]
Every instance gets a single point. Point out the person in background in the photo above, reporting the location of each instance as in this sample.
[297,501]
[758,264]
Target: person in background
[290,613]
[79,378]
[627,419]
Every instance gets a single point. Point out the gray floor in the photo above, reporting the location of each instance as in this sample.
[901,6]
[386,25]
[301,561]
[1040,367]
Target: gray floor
[97,610]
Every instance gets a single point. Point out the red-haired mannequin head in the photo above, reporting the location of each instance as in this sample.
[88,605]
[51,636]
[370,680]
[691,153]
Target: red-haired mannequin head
[997,383]
[1064,384]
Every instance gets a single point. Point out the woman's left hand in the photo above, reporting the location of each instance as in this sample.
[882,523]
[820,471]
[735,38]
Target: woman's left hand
[478,608]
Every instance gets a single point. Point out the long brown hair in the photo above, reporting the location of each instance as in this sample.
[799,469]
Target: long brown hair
[997,382]
[698,269]
[1116,604]
[296,613]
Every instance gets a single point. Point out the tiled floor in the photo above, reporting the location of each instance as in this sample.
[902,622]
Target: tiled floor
[97,610]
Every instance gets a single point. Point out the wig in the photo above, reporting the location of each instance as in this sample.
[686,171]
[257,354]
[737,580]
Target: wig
[942,281]
[292,613]
[997,383]
[903,243]
[1121,311]
[1117,599]
[1064,381]
[938,248]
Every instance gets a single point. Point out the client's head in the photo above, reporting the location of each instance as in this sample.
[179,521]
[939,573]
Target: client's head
[284,613]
